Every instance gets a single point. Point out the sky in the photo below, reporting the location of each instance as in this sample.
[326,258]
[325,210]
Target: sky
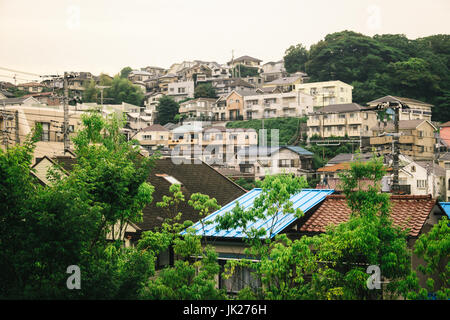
[53,36]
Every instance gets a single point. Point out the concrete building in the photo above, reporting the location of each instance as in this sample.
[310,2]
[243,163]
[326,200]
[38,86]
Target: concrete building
[181,90]
[327,92]
[197,108]
[417,109]
[341,120]
[417,139]
[273,105]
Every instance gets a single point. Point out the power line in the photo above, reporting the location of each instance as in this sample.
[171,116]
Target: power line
[17,71]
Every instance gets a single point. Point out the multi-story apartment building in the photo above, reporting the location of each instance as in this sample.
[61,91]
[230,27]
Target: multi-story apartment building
[327,92]
[417,109]
[341,120]
[417,138]
[181,90]
[263,160]
[197,108]
[277,104]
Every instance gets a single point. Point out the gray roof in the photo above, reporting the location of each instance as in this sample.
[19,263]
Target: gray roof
[284,80]
[343,107]
[269,150]
[349,157]
[10,101]
[245,58]
[7,93]
[171,125]
[438,170]
[398,99]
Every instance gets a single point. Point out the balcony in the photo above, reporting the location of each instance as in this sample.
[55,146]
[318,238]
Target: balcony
[334,121]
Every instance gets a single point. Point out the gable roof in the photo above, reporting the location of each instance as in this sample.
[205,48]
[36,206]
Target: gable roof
[398,99]
[155,127]
[284,80]
[243,58]
[304,200]
[343,107]
[446,208]
[403,125]
[194,178]
[407,212]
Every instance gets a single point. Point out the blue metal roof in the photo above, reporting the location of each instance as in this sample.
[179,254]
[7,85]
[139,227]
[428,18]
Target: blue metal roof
[304,200]
[446,207]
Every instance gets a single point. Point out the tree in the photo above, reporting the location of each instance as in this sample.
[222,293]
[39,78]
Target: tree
[205,90]
[434,248]
[369,238]
[45,229]
[122,90]
[167,109]
[295,58]
[125,72]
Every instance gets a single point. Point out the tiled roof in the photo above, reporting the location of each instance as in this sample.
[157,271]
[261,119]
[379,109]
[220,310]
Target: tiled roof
[284,80]
[446,124]
[194,178]
[348,157]
[407,212]
[343,107]
[398,99]
[335,167]
[155,127]
[304,200]
[243,58]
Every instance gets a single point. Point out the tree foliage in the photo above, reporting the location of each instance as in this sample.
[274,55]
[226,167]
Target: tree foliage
[167,109]
[205,90]
[388,64]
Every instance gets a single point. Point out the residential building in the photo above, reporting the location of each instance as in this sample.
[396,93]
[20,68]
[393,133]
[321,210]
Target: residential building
[4,94]
[276,104]
[246,61]
[340,120]
[417,138]
[273,70]
[261,161]
[153,137]
[139,76]
[444,134]
[181,90]
[154,71]
[197,108]
[48,98]
[163,82]
[327,92]
[285,84]
[417,109]
[223,86]
[32,87]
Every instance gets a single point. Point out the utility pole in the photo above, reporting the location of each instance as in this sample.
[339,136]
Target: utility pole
[396,138]
[16,130]
[66,114]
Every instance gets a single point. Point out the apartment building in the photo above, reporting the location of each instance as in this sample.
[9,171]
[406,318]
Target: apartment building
[417,138]
[268,160]
[327,92]
[341,120]
[277,104]
[181,90]
[197,108]
[417,109]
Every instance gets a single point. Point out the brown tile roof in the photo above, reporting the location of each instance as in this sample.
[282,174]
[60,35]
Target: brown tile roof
[155,127]
[407,212]
[336,167]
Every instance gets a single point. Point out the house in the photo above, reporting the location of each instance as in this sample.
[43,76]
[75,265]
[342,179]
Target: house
[285,84]
[151,100]
[340,120]
[268,160]
[153,137]
[321,208]
[154,71]
[164,80]
[139,76]
[444,133]
[181,90]
[246,61]
[4,94]
[273,70]
[417,138]
[197,108]
[32,87]
[261,104]
[234,105]
[327,92]
[224,86]
[48,98]
[417,109]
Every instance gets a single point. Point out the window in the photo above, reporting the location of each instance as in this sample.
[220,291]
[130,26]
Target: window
[147,137]
[45,131]
[284,163]
[447,165]
[241,278]
[421,184]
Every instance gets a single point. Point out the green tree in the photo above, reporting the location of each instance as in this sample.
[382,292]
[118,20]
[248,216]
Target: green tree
[295,58]
[167,109]
[205,90]
[125,72]
[122,90]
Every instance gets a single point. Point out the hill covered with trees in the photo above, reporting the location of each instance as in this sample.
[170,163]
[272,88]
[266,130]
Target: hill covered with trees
[387,64]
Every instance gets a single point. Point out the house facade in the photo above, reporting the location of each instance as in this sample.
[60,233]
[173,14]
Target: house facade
[417,109]
[341,120]
[181,90]
[327,92]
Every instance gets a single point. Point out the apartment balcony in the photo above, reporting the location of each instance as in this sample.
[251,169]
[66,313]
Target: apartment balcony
[389,139]
[313,122]
[354,120]
[334,121]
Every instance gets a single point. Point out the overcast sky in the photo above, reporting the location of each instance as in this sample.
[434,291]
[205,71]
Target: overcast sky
[51,36]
